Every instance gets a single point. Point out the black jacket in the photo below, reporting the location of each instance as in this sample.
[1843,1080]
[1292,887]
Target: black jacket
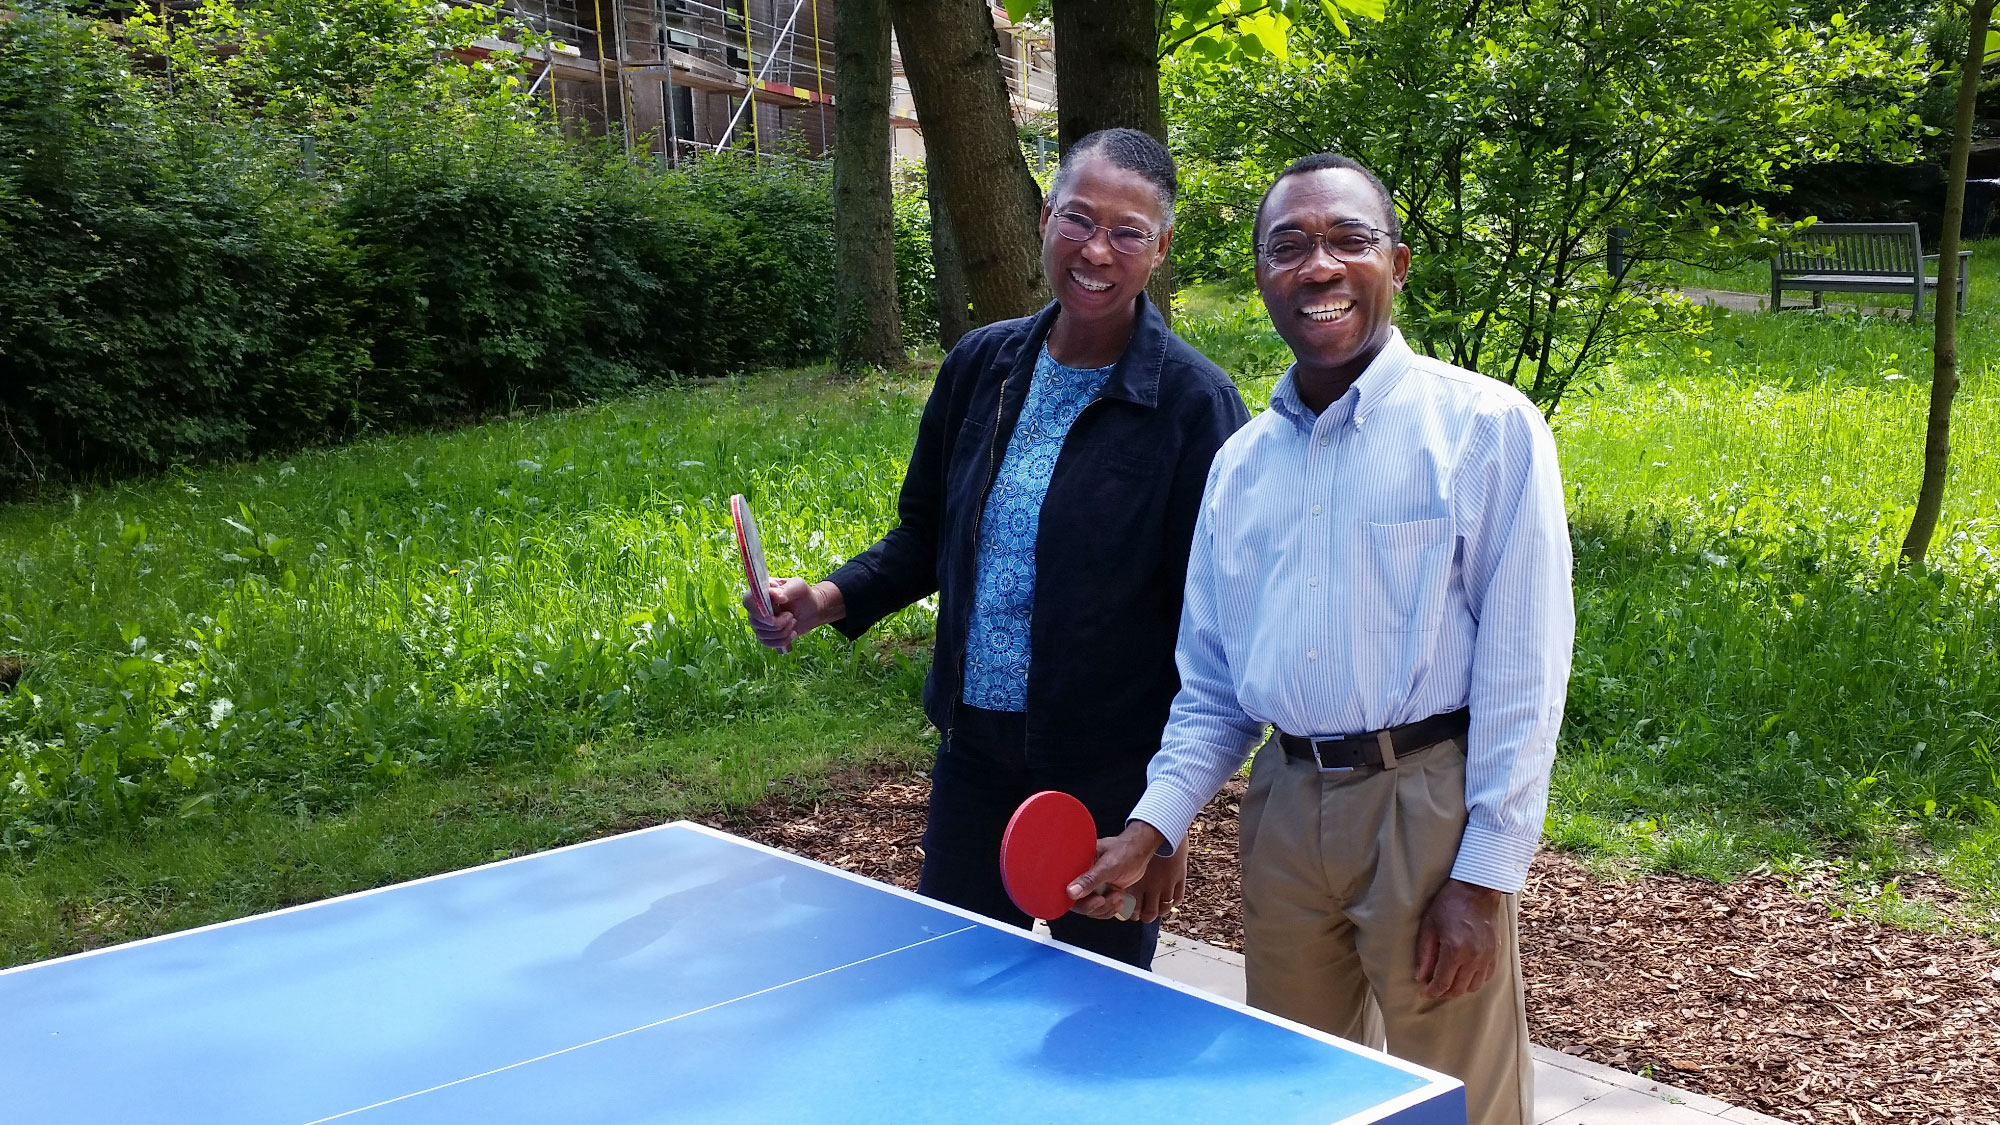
[1111,552]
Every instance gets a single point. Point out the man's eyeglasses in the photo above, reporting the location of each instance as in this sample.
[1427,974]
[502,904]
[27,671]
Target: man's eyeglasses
[1125,240]
[1349,242]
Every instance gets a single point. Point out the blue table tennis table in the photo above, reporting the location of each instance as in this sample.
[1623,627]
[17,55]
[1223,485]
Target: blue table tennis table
[667,975]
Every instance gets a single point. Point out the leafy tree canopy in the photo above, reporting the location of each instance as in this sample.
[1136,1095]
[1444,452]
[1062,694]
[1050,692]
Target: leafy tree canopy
[1515,137]
[1224,32]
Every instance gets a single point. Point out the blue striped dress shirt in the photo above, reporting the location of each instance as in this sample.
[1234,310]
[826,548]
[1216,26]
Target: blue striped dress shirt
[1403,553]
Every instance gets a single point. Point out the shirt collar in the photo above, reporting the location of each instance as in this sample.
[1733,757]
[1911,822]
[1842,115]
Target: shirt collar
[1377,379]
[1136,378]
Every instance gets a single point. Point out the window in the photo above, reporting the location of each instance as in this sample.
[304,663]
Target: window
[683,113]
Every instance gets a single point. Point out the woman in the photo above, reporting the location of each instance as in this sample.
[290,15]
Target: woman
[1049,502]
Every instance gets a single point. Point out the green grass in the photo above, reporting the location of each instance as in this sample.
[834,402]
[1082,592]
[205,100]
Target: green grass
[287,632]
[184,873]
[260,684]
[1745,277]
[1756,682]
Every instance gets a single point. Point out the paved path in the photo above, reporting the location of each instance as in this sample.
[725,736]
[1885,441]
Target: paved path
[1568,1090]
[1755,302]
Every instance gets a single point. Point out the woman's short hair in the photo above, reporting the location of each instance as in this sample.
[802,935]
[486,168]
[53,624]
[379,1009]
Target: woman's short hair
[1131,150]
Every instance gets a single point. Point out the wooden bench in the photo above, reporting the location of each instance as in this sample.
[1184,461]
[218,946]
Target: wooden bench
[1860,258]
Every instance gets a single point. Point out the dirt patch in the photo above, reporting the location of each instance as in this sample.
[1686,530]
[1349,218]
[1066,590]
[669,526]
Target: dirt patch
[1752,992]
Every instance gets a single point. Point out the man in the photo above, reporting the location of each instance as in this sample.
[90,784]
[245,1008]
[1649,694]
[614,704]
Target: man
[1381,572]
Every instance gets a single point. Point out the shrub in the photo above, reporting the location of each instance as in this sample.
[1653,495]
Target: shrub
[237,261]
[144,315]
[916,292]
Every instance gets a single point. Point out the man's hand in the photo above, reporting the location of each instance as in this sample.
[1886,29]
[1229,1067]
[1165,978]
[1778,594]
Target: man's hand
[1458,941]
[1162,887]
[1122,863]
[800,607]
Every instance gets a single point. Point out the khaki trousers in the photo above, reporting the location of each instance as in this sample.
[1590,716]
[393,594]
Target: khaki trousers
[1337,870]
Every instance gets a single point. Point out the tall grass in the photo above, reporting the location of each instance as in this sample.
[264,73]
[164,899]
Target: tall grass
[290,632]
[1757,682]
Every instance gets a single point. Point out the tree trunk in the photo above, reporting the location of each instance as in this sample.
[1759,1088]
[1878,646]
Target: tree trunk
[1944,349]
[866,332]
[950,54]
[954,308]
[1107,77]
[1107,68]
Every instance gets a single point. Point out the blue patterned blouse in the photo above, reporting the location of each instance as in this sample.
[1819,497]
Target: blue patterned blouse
[996,645]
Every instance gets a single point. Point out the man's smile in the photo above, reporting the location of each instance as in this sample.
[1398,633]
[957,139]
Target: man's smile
[1328,311]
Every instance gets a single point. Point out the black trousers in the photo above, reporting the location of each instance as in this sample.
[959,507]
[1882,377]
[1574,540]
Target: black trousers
[981,777]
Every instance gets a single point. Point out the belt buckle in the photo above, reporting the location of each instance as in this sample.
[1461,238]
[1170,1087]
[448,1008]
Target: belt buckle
[1321,762]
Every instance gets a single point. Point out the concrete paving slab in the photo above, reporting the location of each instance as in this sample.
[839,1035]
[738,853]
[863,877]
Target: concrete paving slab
[1635,1107]
[1558,1091]
[1206,973]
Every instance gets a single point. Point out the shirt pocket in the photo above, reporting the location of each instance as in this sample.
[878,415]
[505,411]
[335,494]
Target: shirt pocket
[1403,572]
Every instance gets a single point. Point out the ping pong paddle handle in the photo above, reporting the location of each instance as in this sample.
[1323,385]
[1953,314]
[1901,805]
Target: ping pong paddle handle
[1128,903]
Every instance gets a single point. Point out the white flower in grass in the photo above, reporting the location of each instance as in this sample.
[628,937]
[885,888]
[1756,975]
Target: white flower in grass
[219,710]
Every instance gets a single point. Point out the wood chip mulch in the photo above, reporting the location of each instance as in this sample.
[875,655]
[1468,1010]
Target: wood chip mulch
[1755,992]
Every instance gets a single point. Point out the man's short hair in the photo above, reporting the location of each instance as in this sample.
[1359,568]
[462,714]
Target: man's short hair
[1324,162]
[1134,152]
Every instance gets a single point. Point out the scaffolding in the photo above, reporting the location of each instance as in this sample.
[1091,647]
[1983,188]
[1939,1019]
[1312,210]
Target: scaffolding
[687,77]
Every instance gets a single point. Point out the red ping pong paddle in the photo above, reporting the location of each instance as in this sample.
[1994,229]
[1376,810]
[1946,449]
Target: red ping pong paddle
[1050,840]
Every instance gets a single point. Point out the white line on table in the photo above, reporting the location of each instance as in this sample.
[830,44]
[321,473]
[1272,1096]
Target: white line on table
[633,1030]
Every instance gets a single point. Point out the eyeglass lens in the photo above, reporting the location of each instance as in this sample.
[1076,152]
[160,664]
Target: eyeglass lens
[1125,240]
[1289,249]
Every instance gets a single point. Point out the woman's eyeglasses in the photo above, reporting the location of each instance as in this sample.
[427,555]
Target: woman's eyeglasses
[1288,249]
[1125,240]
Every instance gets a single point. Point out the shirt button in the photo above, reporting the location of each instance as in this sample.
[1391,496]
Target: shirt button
[1315,509]
[1312,654]
[1325,441]
[1313,581]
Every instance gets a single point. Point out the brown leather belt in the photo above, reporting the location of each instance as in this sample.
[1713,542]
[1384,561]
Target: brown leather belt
[1377,748]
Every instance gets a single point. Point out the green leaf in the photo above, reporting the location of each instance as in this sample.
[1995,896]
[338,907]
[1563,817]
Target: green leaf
[1267,30]
[1017,10]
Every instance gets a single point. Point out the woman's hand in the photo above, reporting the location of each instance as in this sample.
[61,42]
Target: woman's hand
[800,608]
